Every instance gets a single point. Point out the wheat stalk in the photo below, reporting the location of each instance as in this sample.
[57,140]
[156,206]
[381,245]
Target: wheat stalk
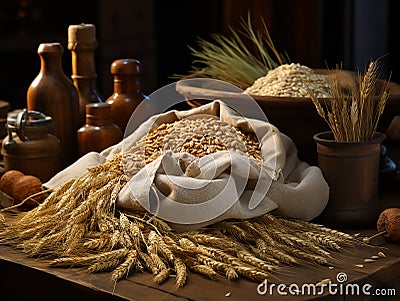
[162,276]
[204,270]
[88,260]
[149,263]
[180,270]
[229,59]
[103,265]
[354,116]
[226,269]
[102,243]
[125,267]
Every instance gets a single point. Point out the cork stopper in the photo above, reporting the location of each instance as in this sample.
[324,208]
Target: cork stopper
[126,67]
[81,34]
[50,47]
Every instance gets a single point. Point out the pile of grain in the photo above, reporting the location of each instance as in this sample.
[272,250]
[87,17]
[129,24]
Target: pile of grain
[290,80]
[78,225]
[198,137]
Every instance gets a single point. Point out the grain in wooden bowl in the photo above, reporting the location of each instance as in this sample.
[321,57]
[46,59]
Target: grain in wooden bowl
[296,117]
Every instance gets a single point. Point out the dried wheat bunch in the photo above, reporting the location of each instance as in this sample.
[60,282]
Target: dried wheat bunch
[353,115]
[239,58]
[78,225]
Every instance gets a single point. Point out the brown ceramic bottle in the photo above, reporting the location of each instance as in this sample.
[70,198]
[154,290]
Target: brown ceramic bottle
[99,132]
[82,43]
[127,90]
[53,94]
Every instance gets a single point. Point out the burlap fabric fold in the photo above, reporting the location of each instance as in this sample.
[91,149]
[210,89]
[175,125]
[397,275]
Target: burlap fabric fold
[191,192]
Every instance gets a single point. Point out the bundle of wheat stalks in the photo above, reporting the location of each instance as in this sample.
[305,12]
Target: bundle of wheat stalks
[78,226]
[239,58]
[353,115]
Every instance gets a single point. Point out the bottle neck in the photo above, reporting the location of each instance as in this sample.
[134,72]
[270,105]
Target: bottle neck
[83,64]
[84,75]
[129,85]
[87,89]
[94,120]
[51,62]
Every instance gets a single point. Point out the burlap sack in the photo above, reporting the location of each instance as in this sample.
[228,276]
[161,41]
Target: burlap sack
[190,193]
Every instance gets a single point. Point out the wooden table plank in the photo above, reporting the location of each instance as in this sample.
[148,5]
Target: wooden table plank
[22,276]
[67,283]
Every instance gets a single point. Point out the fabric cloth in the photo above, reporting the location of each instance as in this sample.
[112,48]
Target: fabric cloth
[191,192]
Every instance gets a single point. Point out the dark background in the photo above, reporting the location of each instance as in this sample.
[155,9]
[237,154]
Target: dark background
[316,33]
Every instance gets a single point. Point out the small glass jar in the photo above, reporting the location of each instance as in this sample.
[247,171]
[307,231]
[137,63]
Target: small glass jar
[30,147]
[99,132]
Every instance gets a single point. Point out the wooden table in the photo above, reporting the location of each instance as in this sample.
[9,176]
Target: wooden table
[23,278]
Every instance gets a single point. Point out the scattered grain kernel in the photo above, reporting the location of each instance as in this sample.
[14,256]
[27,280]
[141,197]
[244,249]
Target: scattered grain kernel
[227,294]
[381,254]
[369,260]
[325,281]
[359,265]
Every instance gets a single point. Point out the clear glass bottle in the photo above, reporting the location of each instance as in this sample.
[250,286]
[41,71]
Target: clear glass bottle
[99,132]
[82,43]
[53,94]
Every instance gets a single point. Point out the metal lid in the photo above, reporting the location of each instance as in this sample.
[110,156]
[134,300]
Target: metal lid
[28,119]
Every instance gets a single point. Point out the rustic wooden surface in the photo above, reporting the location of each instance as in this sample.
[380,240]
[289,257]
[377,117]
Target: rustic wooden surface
[24,278]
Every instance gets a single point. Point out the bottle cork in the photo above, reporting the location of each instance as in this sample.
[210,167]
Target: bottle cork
[50,47]
[81,34]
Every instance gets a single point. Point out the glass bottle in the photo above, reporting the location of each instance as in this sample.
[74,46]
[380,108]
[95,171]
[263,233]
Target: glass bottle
[53,94]
[82,43]
[127,90]
[99,132]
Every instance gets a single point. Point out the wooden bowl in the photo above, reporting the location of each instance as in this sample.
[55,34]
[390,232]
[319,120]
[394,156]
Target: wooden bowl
[294,116]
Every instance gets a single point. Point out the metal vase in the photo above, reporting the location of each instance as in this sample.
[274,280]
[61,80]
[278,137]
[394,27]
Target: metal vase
[351,170]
